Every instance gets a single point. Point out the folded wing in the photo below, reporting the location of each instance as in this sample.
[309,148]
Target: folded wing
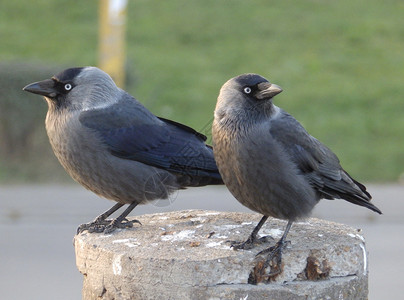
[318,163]
[131,132]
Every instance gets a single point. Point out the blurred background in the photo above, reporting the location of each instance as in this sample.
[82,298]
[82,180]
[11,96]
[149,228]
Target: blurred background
[340,64]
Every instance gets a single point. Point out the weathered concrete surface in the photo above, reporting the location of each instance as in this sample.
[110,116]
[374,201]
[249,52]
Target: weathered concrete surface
[185,255]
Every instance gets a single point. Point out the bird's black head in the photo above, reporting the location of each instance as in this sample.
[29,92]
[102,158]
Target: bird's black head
[245,97]
[56,87]
[68,75]
[255,86]
[77,89]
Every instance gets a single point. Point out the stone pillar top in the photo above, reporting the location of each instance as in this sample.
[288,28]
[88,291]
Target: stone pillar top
[187,253]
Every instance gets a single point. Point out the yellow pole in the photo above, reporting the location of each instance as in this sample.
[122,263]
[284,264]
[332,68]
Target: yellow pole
[112,19]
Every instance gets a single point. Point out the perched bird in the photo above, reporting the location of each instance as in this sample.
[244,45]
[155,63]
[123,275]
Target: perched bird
[112,145]
[270,163]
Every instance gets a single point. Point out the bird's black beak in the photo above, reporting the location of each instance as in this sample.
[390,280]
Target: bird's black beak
[45,88]
[267,90]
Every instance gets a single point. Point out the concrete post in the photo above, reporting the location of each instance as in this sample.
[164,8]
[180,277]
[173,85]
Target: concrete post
[185,255]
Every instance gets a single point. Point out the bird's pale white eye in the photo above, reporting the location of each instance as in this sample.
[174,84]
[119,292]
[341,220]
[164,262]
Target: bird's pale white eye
[68,86]
[247,90]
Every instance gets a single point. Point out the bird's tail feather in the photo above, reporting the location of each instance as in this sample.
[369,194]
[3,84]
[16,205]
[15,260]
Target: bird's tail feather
[195,181]
[362,202]
[353,192]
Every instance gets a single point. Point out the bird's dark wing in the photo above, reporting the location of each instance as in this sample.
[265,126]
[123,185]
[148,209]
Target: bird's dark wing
[185,127]
[131,132]
[318,163]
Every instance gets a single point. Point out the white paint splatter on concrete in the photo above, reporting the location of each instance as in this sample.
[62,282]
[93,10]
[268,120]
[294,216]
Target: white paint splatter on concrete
[105,236]
[358,236]
[365,259]
[130,242]
[116,264]
[228,227]
[213,244]
[80,242]
[304,223]
[209,213]
[218,236]
[124,241]
[198,219]
[178,236]
[274,232]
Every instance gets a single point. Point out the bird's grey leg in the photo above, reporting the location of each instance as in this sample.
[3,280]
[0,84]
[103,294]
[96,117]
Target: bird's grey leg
[100,220]
[109,212]
[274,258]
[252,239]
[119,221]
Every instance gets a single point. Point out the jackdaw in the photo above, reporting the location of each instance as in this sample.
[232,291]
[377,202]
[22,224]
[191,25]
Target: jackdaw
[112,145]
[270,163]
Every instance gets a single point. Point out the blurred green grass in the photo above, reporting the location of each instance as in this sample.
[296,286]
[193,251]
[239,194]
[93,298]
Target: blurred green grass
[340,63]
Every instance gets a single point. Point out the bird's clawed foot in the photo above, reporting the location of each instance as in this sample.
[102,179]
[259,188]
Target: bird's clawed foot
[250,243]
[273,261]
[97,225]
[106,226]
[125,223]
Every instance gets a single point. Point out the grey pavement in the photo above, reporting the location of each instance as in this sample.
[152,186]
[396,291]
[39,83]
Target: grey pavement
[37,225]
